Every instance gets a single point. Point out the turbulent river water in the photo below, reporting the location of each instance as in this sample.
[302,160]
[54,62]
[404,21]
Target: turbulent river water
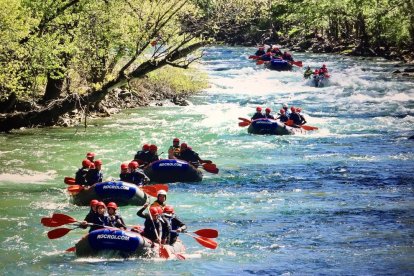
[337,201]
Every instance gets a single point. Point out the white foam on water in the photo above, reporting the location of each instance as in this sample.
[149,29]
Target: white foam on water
[28,177]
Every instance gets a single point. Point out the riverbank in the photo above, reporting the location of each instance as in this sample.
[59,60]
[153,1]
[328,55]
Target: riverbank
[316,43]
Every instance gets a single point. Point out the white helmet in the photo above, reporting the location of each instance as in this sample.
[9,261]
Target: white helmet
[161,192]
[285,105]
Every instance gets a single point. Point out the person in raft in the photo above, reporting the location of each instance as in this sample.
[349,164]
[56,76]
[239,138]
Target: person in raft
[161,199]
[308,72]
[302,118]
[295,117]
[94,174]
[80,176]
[258,114]
[174,150]
[267,114]
[142,155]
[176,225]
[124,174]
[283,117]
[151,156]
[115,219]
[155,228]
[90,217]
[260,51]
[287,56]
[136,175]
[100,220]
[191,156]
[90,156]
[286,109]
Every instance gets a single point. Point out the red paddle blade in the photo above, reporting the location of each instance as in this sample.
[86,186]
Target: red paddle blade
[164,253]
[159,187]
[207,233]
[69,180]
[57,233]
[49,222]
[244,119]
[179,256]
[151,191]
[62,218]
[309,127]
[71,249]
[206,242]
[259,62]
[289,122]
[244,124]
[75,188]
[211,168]
[297,63]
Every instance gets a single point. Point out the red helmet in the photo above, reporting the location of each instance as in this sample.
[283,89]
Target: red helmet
[316,71]
[112,205]
[282,111]
[92,166]
[93,202]
[293,109]
[153,148]
[133,165]
[176,140]
[324,66]
[86,163]
[184,145]
[124,166]
[268,110]
[153,210]
[98,163]
[258,109]
[145,147]
[169,209]
[100,203]
[90,154]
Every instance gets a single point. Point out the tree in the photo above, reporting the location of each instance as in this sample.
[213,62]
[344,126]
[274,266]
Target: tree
[98,45]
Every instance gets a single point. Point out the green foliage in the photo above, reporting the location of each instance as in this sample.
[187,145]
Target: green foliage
[86,42]
[180,80]
[373,22]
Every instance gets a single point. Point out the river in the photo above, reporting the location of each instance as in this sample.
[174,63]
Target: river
[337,201]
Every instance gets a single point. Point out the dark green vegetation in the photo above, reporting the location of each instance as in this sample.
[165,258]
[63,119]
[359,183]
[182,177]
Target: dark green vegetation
[57,56]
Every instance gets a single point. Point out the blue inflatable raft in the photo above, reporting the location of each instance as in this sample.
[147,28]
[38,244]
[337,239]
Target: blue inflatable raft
[279,65]
[118,243]
[122,193]
[172,170]
[273,127]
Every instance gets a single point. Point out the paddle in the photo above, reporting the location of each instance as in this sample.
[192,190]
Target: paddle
[207,233]
[206,242]
[59,232]
[309,127]
[297,63]
[244,120]
[260,62]
[244,124]
[49,222]
[75,189]
[63,219]
[69,180]
[211,168]
[71,249]
[290,123]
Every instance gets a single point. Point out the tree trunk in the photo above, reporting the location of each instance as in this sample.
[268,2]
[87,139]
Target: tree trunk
[54,88]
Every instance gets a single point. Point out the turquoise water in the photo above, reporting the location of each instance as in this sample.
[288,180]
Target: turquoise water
[338,201]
